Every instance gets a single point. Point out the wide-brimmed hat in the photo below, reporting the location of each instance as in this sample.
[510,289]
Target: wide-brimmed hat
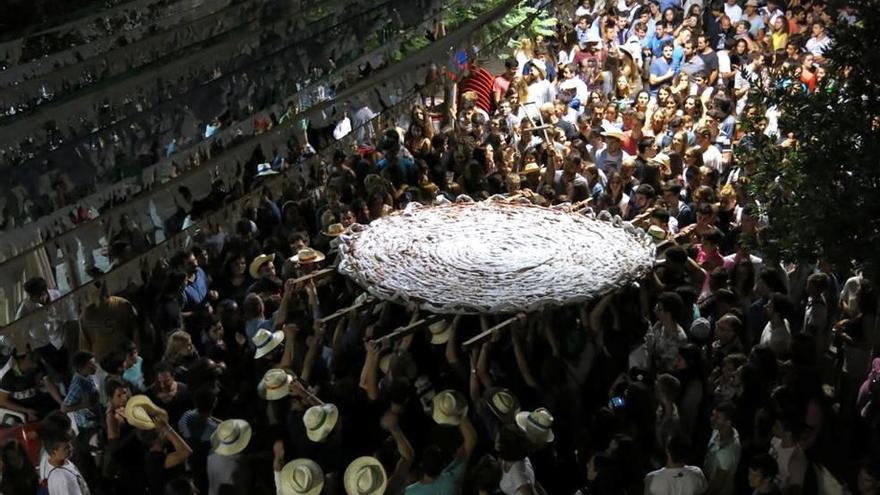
[503,404]
[657,234]
[449,407]
[320,421]
[231,437]
[275,384]
[439,332]
[265,340]
[301,477]
[752,3]
[308,255]
[365,476]
[531,168]
[259,261]
[662,159]
[593,37]
[334,230]
[614,133]
[140,410]
[537,425]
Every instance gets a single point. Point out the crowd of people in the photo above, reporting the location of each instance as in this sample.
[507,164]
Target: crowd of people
[246,364]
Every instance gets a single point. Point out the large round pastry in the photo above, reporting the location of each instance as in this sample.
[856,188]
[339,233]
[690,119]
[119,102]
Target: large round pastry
[492,257]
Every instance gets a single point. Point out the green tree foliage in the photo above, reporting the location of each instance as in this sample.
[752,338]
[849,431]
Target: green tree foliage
[821,189]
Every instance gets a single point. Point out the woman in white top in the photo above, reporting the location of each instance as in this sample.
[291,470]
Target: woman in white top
[777,333]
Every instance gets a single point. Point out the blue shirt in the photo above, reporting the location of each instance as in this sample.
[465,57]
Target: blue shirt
[134,376]
[659,68]
[446,484]
[83,389]
[196,292]
[194,428]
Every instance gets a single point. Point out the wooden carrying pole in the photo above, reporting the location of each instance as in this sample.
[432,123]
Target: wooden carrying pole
[345,311]
[488,332]
[315,274]
[408,329]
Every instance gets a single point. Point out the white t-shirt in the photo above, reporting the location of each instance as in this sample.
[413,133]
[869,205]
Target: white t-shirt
[777,338]
[687,480]
[818,47]
[734,11]
[712,158]
[66,480]
[518,474]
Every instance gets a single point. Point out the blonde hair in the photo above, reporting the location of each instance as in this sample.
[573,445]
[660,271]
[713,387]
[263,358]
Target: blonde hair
[178,346]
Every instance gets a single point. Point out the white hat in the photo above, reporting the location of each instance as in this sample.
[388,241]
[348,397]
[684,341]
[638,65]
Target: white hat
[614,132]
[308,255]
[265,169]
[439,332]
[259,261]
[449,407]
[320,421]
[536,425]
[657,234]
[365,476]
[275,384]
[265,341]
[231,437]
[593,37]
[301,477]
[140,410]
[502,403]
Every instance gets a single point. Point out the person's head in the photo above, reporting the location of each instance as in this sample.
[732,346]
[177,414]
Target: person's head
[779,306]
[728,328]
[645,195]
[185,261]
[179,347]
[678,449]
[205,399]
[712,239]
[84,363]
[763,469]
[722,416]
[512,445]
[37,290]
[433,461]
[667,51]
[572,163]
[818,29]
[165,382]
[59,449]
[118,392]
[817,284]
[669,305]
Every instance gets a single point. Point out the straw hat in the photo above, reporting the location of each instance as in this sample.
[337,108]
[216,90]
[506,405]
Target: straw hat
[450,407]
[231,437]
[265,341]
[531,168]
[662,159]
[301,477]
[657,234]
[140,410]
[614,133]
[365,476]
[319,421]
[259,261]
[439,332]
[334,230]
[536,425]
[503,404]
[275,384]
[308,255]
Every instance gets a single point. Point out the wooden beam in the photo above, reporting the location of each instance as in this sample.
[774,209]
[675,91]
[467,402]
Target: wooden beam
[488,332]
[315,274]
[408,329]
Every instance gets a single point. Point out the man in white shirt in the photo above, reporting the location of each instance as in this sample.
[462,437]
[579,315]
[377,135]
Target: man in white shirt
[62,476]
[723,452]
[676,478]
[711,153]
[733,11]
[818,43]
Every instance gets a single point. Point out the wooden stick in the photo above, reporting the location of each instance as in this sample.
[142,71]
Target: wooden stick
[345,311]
[488,332]
[314,274]
[408,329]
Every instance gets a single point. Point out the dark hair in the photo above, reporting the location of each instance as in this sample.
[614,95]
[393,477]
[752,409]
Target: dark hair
[36,286]
[727,409]
[81,358]
[512,444]
[781,305]
[112,362]
[714,235]
[112,384]
[433,461]
[672,303]
[765,464]
[163,367]
[678,447]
